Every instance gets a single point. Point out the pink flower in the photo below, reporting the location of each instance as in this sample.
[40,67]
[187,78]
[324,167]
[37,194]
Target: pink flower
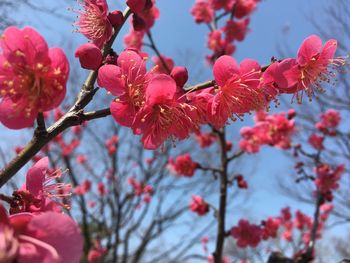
[83,188]
[138,6]
[95,23]
[236,30]
[330,119]
[271,226]
[134,39]
[32,77]
[316,141]
[225,4]
[302,221]
[41,192]
[198,205]
[251,143]
[313,66]
[143,19]
[246,234]
[49,238]
[274,130]
[163,115]
[205,139]
[241,182]
[244,7]
[159,67]
[328,179]
[183,165]
[96,252]
[202,12]
[238,90]
[128,81]
[90,56]
[101,189]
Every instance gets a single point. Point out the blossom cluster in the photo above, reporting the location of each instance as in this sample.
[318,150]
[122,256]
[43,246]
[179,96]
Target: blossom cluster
[182,165]
[221,40]
[251,235]
[36,230]
[274,130]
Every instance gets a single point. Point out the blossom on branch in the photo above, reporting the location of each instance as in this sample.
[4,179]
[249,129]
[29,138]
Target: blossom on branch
[32,77]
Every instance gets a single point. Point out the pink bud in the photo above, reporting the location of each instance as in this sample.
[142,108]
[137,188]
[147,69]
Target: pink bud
[180,75]
[116,18]
[90,56]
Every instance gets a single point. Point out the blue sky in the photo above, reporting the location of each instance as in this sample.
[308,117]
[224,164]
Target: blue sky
[275,22]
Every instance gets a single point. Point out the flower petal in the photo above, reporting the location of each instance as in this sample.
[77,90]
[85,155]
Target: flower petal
[36,176]
[123,112]
[310,47]
[60,232]
[110,78]
[13,116]
[224,68]
[160,89]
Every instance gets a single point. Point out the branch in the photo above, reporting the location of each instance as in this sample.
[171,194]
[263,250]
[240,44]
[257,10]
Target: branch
[221,233]
[155,49]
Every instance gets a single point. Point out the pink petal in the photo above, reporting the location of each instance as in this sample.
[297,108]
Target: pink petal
[110,78]
[224,68]
[160,89]
[249,65]
[60,232]
[329,49]
[310,47]
[12,40]
[123,112]
[132,65]
[36,176]
[56,80]
[13,115]
[36,47]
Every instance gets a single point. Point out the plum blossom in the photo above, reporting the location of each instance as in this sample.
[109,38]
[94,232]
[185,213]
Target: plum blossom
[41,192]
[313,66]
[238,90]
[198,205]
[329,119]
[202,12]
[163,115]
[95,21]
[327,178]
[128,81]
[182,165]
[32,77]
[246,234]
[48,237]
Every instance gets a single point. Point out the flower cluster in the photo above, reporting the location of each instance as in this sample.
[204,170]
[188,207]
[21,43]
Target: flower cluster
[36,230]
[221,40]
[198,205]
[41,192]
[152,105]
[275,130]
[140,189]
[182,165]
[145,13]
[251,235]
[96,23]
[327,179]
